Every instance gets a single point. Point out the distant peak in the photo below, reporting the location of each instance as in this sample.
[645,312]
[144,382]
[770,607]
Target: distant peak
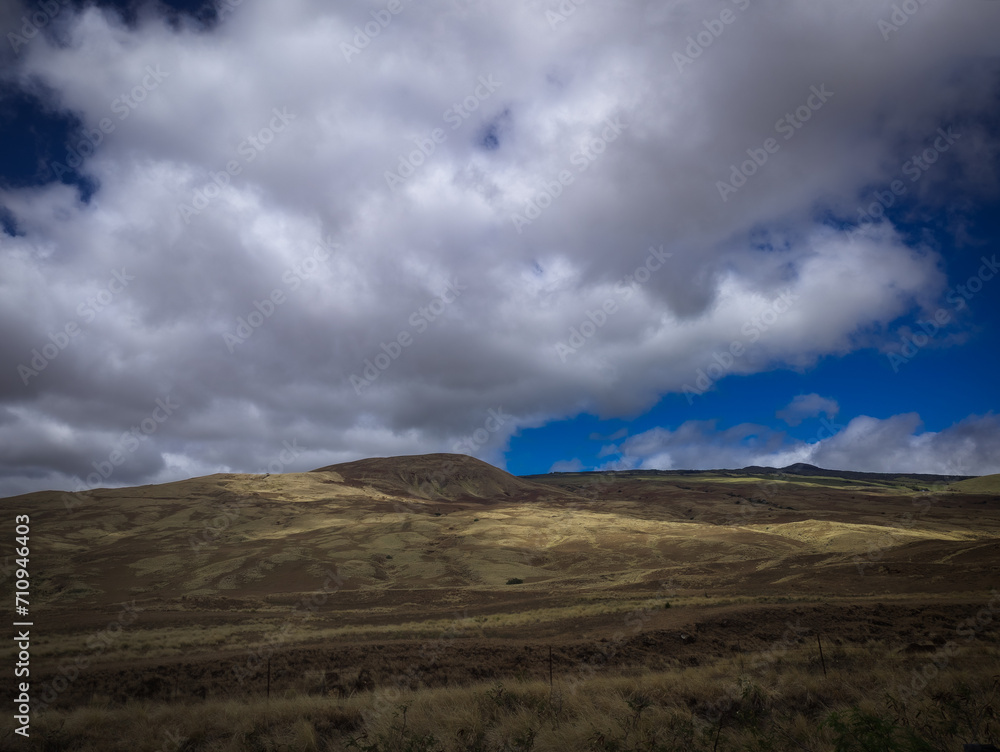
[438,476]
[421,462]
[802,467]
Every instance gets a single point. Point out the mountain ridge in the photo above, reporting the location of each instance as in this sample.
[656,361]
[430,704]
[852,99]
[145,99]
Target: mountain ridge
[436,476]
[798,469]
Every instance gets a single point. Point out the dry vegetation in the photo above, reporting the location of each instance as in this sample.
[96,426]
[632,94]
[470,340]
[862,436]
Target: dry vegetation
[774,700]
[411,604]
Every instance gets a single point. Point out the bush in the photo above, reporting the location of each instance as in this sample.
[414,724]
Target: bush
[856,731]
[515,581]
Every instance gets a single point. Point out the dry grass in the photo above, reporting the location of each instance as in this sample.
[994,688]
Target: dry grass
[986,484]
[769,701]
[254,627]
[227,570]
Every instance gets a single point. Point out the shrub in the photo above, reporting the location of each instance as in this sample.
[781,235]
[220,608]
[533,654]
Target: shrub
[515,581]
[856,731]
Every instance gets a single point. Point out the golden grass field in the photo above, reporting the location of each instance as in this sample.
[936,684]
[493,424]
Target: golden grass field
[367,606]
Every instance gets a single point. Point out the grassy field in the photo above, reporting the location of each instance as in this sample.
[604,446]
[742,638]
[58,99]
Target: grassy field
[374,592]
[857,698]
[987,484]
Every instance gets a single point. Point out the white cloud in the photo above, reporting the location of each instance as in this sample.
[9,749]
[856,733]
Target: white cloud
[807,406]
[891,445]
[567,466]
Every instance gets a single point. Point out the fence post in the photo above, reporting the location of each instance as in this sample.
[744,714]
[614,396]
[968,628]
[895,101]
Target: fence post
[822,660]
[550,674]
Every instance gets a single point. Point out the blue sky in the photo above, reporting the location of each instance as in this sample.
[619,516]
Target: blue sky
[242,236]
[950,378]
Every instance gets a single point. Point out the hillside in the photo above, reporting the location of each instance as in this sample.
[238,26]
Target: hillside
[435,476]
[357,567]
[985,484]
[799,470]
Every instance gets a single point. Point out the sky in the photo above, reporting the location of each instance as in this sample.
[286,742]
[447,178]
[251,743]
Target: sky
[245,236]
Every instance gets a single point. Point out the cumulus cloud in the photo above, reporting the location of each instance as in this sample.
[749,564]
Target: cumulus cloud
[807,406]
[567,466]
[892,445]
[284,286]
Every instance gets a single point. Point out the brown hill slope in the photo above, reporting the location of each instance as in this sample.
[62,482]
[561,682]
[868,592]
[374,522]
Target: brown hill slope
[347,568]
[452,477]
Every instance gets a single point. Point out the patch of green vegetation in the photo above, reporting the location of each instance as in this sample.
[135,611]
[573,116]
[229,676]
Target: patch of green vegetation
[856,731]
[986,484]
[515,581]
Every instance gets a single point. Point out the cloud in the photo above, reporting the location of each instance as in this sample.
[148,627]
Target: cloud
[807,406]
[891,445]
[700,444]
[257,143]
[969,447]
[567,466]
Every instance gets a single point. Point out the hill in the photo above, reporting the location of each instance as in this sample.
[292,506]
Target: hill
[985,484]
[373,569]
[435,476]
[799,470]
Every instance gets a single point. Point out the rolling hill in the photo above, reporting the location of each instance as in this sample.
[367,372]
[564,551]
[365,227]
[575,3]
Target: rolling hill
[435,476]
[363,564]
